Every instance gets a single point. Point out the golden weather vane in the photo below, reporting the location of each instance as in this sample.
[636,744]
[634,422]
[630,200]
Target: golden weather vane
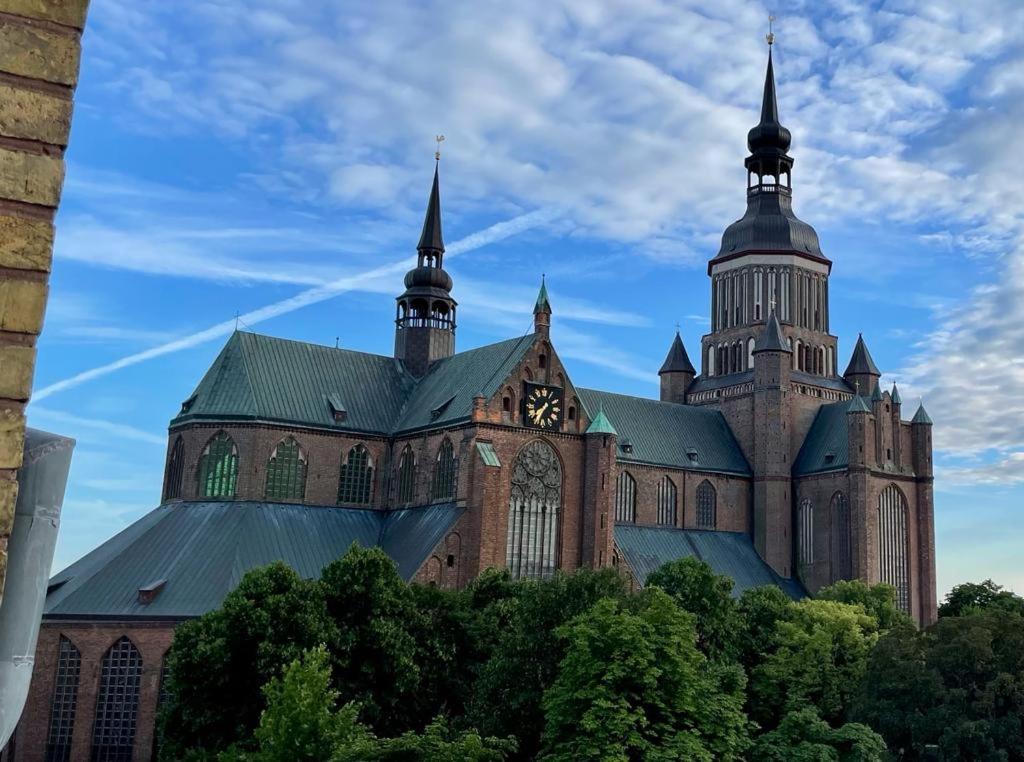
[439,139]
[771,33]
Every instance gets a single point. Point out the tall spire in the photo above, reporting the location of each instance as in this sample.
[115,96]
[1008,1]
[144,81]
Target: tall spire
[768,138]
[430,238]
[542,304]
[769,105]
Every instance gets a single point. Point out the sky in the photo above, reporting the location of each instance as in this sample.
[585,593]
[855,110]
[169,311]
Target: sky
[267,162]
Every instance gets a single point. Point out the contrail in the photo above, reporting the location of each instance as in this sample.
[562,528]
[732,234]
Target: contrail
[489,235]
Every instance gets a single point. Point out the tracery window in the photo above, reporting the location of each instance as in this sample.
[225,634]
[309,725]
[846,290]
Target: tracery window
[64,702]
[286,472]
[355,486]
[840,548]
[667,502]
[625,499]
[707,507]
[892,543]
[218,468]
[805,529]
[175,470]
[117,705]
[407,476]
[443,487]
[534,509]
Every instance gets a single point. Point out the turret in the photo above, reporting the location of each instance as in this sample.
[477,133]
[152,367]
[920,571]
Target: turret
[921,437]
[598,491]
[897,426]
[862,374]
[677,373]
[858,414]
[542,310]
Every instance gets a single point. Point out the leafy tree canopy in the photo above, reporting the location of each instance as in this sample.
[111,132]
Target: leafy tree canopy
[971,597]
[802,736]
[878,601]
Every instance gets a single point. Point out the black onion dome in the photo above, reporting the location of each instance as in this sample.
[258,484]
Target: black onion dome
[769,133]
[428,277]
[770,225]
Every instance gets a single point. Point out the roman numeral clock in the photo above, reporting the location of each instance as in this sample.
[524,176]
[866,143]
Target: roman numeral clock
[542,406]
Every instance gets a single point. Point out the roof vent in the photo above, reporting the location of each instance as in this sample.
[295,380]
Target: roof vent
[148,593]
[187,405]
[437,411]
[338,411]
[626,445]
[829,457]
[691,455]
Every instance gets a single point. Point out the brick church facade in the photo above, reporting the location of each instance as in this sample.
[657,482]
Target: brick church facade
[769,464]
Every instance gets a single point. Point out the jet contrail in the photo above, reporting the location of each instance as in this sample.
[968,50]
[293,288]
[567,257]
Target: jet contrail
[489,235]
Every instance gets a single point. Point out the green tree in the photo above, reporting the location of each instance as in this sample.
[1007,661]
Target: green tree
[219,662]
[437,743]
[706,595]
[820,656]
[802,736]
[878,601]
[633,685]
[760,611]
[980,596]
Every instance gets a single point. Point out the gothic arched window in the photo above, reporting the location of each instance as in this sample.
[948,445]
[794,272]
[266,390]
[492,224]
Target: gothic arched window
[64,702]
[218,468]
[534,508]
[117,705]
[443,487]
[407,476]
[667,502]
[625,499]
[805,532]
[355,486]
[707,506]
[175,470]
[892,543]
[839,539]
[286,472]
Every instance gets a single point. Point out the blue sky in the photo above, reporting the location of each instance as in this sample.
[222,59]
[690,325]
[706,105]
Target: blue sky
[272,158]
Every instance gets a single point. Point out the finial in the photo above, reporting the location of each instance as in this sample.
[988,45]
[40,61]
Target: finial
[337,341]
[771,34]
[677,326]
[439,139]
[771,303]
[857,386]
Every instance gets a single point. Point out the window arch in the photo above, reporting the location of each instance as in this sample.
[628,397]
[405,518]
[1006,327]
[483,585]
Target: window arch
[805,532]
[117,705]
[840,548]
[667,502]
[407,476]
[534,508]
[218,467]
[707,506]
[355,486]
[445,469]
[286,472]
[64,702]
[750,352]
[892,543]
[625,499]
[711,361]
[175,470]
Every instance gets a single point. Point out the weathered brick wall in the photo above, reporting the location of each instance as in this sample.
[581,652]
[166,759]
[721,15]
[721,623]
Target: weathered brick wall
[40,43]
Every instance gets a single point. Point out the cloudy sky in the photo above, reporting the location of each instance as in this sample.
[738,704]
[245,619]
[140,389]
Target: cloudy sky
[270,159]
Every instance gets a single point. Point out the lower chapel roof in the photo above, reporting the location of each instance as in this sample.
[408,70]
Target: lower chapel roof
[826,447]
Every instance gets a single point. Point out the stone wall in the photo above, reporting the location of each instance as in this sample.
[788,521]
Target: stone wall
[40,43]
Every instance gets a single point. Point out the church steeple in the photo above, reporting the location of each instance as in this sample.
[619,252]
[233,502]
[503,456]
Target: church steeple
[769,142]
[542,310]
[425,319]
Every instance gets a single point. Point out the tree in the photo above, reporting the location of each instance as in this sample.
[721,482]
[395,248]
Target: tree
[219,661]
[706,595]
[878,601]
[760,610]
[437,743]
[802,736]
[977,596]
[633,685]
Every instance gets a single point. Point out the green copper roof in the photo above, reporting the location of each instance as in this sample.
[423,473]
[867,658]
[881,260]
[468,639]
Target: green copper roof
[857,405]
[201,551]
[921,416]
[663,433]
[600,424]
[542,304]
[826,446]
[876,394]
[896,398]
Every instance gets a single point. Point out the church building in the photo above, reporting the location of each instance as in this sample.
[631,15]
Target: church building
[768,464]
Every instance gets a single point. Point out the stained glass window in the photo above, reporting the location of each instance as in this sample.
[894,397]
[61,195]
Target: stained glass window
[707,507]
[286,472]
[667,502]
[534,508]
[356,483]
[444,472]
[218,468]
[407,476]
[175,470]
[64,702]
[117,705]
[625,499]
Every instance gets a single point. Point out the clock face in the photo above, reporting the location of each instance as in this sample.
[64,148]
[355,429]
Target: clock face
[542,406]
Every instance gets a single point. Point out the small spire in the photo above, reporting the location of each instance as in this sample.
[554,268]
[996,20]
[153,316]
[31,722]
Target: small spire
[430,238]
[896,399]
[876,394]
[772,338]
[677,360]
[860,360]
[601,424]
[542,304]
[857,405]
[921,416]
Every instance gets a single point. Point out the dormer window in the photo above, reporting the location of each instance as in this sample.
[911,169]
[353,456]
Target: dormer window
[626,445]
[186,406]
[338,411]
[436,412]
[829,457]
[691,455]
[148,593]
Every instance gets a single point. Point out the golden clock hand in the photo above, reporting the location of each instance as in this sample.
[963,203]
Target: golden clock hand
[539,413]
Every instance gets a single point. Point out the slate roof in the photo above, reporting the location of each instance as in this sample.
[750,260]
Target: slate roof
[677,361]
[662,433]
[730,553]
[264,378]
[201,550]
[771,338]
[921,416]
[861,361]
[828,435]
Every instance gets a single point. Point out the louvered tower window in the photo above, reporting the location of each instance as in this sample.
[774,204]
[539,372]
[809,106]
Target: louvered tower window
[840,548]
[625,499]
[534,508]
[805,529]
[443,487]
[175,470]
[218,468]
[707,506]
[667,502]
[356,483]
[64,702]
[117,705]
[286,472]
[407,476]
[892,543]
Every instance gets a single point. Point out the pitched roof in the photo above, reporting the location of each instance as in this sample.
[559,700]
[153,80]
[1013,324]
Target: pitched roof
[896,398]
[258,377]
[664,433]
[857,405]
[921,416]
[201,551]
[677,360]
[730,553]
[860,360]
[826,446]
[771,338]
